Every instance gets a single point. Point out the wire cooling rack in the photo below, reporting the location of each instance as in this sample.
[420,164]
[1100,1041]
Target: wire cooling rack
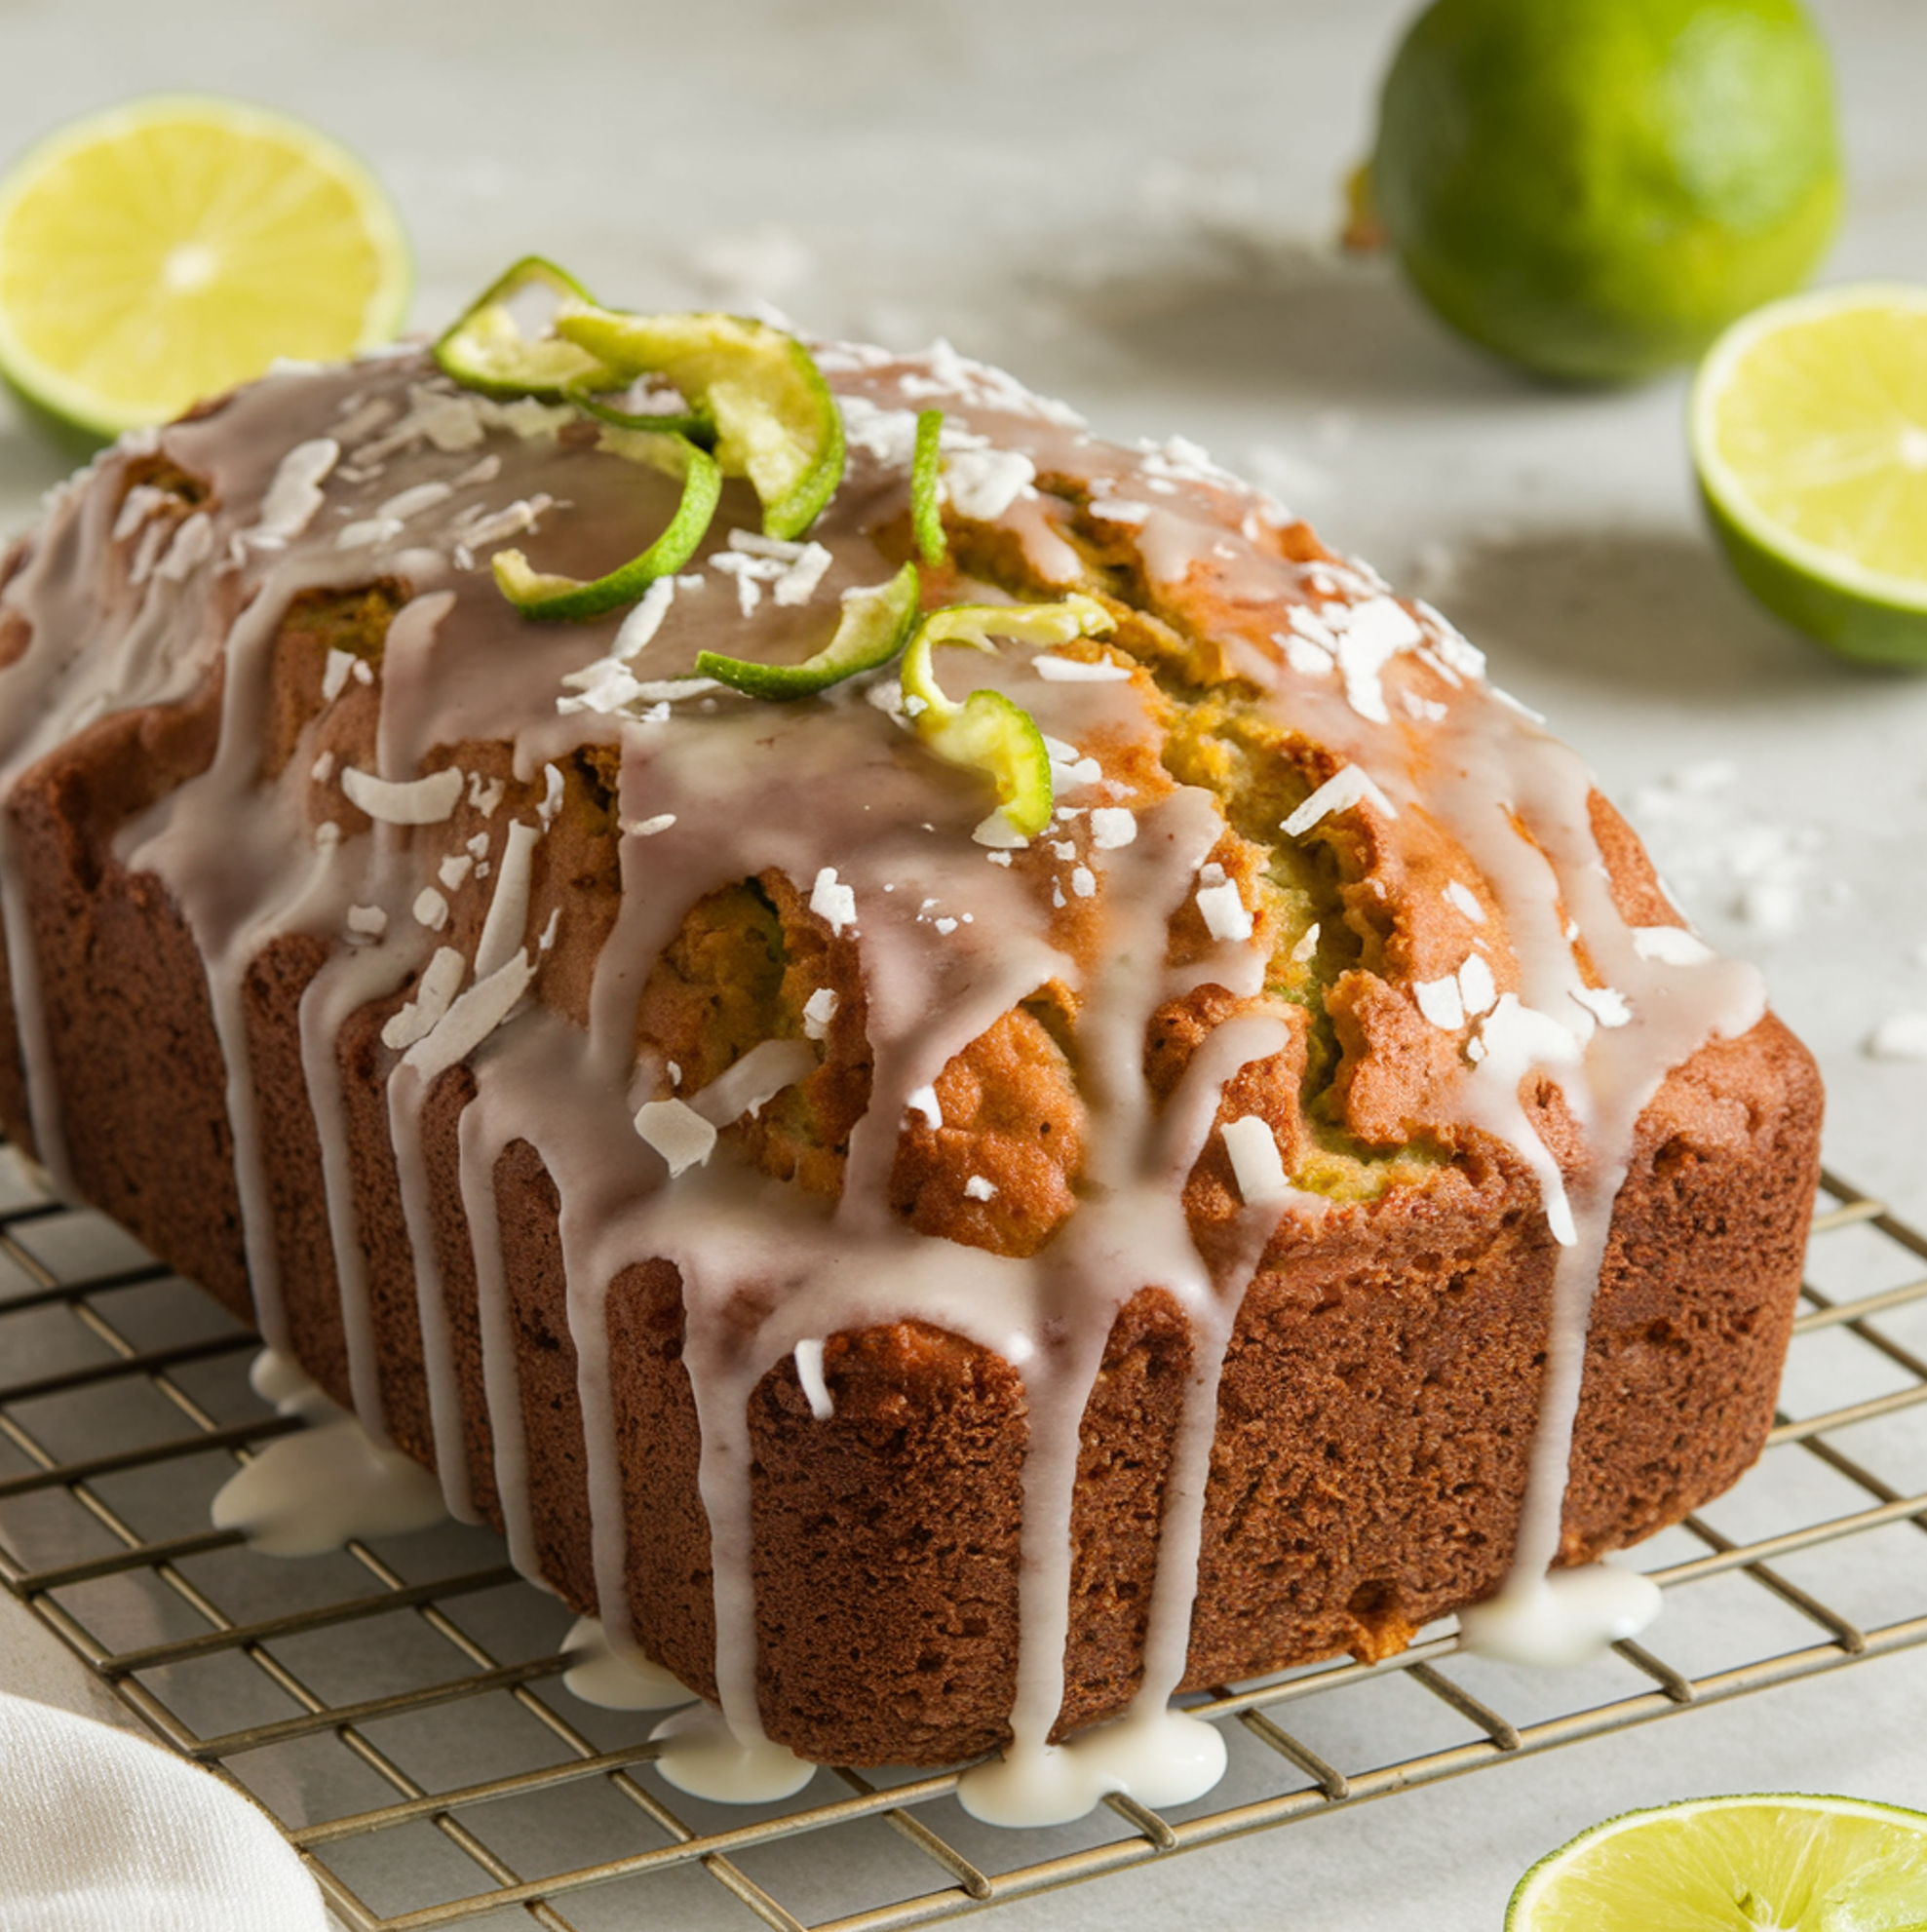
[364,1699]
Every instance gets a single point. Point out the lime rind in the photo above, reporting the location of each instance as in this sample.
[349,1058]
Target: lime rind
[925,509]
[539,595]
[485,348]
[76,412]
[1871,615]
[987,732]
[873,626]
[776,421]
[1695,1881]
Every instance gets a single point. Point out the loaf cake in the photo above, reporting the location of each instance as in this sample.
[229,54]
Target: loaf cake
[935,1249]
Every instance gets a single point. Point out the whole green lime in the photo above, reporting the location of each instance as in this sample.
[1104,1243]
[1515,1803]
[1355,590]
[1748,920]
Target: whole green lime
[1595,189]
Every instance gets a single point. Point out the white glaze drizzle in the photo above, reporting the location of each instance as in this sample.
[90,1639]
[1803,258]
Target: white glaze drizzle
[571,1096]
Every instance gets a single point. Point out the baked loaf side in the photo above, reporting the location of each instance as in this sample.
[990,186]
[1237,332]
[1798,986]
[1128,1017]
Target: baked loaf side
[924,1286]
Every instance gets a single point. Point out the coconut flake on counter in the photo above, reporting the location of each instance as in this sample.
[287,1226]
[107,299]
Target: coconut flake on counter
[441,981]
[1899,1037]
[808,1356]
[426,801]
[1255,1163]
[1348,786]
[677,1132]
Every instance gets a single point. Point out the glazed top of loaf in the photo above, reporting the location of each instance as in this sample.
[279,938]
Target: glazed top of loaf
[774,992]
[1287,801]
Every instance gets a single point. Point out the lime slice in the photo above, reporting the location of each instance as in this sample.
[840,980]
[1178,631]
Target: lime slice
[776,421]
[926,514]
[169,249]
[869,632]
[487,349]
[1725,1864]
[1809,428]
[987,732]
[537,593]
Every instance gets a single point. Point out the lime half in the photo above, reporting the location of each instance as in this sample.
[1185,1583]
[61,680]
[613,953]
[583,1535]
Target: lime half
[1809,430]
[169,249]
[1790,1863]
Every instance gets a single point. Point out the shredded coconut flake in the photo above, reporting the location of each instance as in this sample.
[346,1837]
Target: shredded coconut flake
[977,1188]
[1077,671]
[1224,912]
[832,902]
[1256,1164]
[677,1132]
[1348,786]
[431,910]
[924,1101]
[412,801]
[819,1010]
[366,921]
[809,1373]
[1440,1002]
[1669,946]
[1467,901]
[441,981]
[1112,827]
[1899,1037]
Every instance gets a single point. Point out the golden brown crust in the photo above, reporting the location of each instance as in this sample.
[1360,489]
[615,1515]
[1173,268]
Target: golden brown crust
[1381,1385]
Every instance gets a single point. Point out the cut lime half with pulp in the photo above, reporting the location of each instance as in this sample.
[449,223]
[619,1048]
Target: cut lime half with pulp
[1809,429]
[1793,1863]
[169,249]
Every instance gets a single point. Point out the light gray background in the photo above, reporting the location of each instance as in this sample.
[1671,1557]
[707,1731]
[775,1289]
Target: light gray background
[1133,205]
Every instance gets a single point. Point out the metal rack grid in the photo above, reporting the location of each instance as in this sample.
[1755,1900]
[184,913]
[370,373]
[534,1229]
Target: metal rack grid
[465,1762]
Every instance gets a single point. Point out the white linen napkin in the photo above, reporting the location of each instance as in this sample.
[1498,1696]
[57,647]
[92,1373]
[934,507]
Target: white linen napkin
[102,1832]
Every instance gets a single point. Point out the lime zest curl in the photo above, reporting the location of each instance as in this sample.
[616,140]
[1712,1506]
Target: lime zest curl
[540,595]
[485,350]
[776,421]
[926,510]
[874,625]
[987,732]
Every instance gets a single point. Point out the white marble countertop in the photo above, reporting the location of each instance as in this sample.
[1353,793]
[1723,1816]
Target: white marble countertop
[1139,219]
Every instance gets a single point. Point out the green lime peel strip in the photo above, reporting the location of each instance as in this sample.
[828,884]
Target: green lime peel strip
[926,513]
[987,732]
[776,421]
[486,349]
[692,423]
[872,631]
[536,594]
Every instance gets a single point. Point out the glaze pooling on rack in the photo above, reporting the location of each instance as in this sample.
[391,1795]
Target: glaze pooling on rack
[949,940]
